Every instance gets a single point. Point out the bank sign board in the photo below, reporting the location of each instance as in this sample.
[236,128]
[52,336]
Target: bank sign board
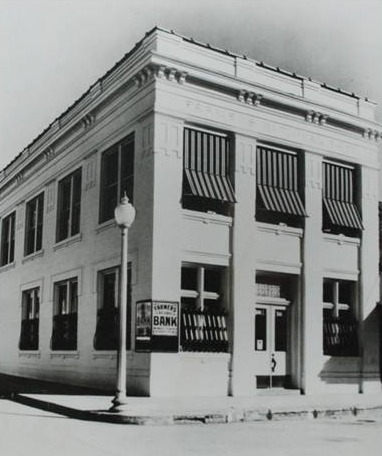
[157,326]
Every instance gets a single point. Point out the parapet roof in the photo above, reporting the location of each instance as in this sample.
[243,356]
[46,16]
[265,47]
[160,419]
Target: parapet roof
[191,40]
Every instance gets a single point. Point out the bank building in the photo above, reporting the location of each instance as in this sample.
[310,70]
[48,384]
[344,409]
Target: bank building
[253,260]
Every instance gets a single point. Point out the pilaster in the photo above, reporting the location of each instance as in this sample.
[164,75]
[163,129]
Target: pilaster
[311,328]
[243,269]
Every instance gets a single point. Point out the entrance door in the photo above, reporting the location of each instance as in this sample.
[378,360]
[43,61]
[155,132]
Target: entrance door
[271,345]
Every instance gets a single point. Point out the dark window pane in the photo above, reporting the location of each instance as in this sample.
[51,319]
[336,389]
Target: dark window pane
[261,330]
[212,280]
[281,330]
[189,279]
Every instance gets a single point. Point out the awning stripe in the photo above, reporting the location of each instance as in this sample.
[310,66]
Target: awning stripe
[201,184]
[281,200]
[343,213]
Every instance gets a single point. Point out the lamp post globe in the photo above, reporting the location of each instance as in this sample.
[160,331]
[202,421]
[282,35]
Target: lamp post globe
[124,215]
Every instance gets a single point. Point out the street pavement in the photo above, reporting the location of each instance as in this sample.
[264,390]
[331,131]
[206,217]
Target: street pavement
[26,431]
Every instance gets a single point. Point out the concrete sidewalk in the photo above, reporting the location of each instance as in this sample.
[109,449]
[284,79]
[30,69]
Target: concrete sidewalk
[147,410]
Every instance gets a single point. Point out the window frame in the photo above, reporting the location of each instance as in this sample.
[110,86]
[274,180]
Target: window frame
[203,328]
[105,208]
[68,314]
[109,318]
[279,191]
[338,325]
[73,224]
[8,235]
[35,205]
[30,325]
[341,212]
[207,184]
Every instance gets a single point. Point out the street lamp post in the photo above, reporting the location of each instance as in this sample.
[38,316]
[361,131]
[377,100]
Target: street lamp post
[124,215]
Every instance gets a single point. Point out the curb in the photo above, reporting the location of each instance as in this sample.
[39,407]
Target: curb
[233,416]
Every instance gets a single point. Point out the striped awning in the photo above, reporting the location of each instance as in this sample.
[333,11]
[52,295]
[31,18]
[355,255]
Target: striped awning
[343,213]
[338,195]
[281,200]
[277,181]
[206,165]
[210,185]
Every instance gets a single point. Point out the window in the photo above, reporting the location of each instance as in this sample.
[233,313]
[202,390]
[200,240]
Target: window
[30,319]
[33,224]
[69,206]
[203,319]
[278,194]
[8,239]
[206,178]
[340,212]
[117,177]
[340,328]
[65,317]
[107,329]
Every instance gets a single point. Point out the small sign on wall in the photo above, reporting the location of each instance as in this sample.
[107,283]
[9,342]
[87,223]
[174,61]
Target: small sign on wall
[143,326]
[157,326]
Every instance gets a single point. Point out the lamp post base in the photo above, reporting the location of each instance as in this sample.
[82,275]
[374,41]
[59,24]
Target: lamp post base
[119,403]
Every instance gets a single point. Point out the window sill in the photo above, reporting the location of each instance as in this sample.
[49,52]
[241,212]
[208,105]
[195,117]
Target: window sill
[110,354]
[29,354]
[105,226]
[65,354]
[68,241]
[341,239]
[205,355]
[33,256]
[7,267]
[208,217]
[279,229]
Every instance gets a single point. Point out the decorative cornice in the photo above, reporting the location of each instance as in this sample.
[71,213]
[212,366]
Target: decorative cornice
[251,98]
[372,135]
[316,117]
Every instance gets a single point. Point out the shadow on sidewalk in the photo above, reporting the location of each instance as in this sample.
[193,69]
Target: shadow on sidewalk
[11,385]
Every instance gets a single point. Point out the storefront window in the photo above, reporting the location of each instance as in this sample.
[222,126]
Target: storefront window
[203,319]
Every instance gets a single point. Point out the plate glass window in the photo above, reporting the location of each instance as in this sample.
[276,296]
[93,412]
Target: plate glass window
[203,318]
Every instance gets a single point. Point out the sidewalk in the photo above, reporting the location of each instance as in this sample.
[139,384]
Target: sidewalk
[90,404]
[147,410]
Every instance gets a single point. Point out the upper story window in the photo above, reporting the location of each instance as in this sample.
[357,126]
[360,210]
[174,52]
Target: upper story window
[29,336]
[117,176]
[69,206]
[340,211]
[34,224]
[340,327]
[8,239]
[107,329]
[207,184]
[65,315]
[278,186]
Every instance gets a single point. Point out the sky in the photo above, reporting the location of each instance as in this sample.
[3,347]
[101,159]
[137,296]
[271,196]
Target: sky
[53,50]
